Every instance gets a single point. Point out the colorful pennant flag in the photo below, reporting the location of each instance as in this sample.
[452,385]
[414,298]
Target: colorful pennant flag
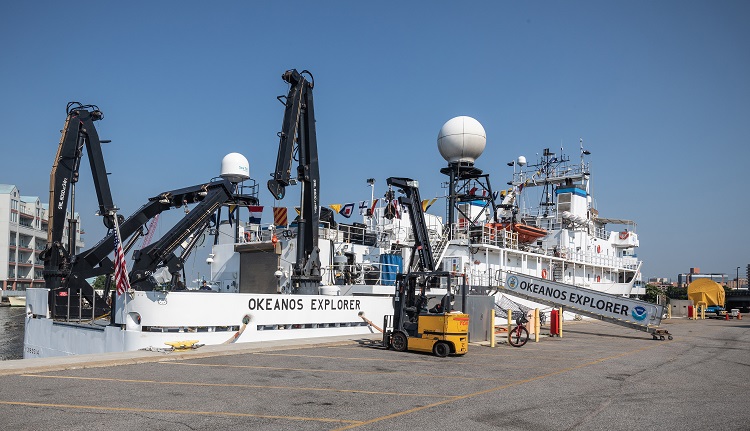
[372,208]
[335,207]
[279,216]
[347,210]
[255,214]
[363,208]
[232,209]
[427,203]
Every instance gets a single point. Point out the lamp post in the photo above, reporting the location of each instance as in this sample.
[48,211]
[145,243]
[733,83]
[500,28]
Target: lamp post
[371,183]
[738,278]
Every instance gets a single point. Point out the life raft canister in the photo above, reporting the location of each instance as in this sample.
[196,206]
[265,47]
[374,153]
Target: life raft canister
[598,278]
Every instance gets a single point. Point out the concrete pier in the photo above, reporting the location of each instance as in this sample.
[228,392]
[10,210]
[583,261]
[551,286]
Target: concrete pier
[598,377]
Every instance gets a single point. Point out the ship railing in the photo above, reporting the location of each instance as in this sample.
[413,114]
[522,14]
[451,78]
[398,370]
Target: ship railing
[564,170]
[368,273]
[476,277]
[357,233]
[595,258]
[488,235]
[73,307]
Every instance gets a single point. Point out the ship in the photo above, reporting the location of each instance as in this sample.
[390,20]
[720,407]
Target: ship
[271,281]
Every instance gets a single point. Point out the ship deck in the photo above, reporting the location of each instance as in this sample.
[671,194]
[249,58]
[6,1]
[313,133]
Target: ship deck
[597,376]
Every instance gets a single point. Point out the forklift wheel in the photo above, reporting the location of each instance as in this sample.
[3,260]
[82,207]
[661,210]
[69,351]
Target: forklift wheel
[441,349]
[398,341]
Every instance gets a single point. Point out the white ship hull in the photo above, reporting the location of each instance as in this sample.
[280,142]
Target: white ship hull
[151,319]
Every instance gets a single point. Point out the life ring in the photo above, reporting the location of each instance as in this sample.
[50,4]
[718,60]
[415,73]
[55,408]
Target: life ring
[598,278]
[544,273]
[624,235]
[247,236]
[598,249]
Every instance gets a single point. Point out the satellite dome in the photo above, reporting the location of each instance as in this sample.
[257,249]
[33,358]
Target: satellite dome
[461,139]
[235,168]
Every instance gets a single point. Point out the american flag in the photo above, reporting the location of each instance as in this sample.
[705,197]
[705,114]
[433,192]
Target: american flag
[121,269]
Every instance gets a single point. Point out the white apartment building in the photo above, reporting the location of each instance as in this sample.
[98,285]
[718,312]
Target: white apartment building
[23,235]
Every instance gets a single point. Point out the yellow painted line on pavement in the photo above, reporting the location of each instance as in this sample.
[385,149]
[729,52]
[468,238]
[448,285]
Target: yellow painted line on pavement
[420,362]
[413,361]
[495,389]
[237,385]
[168,411]
[320,370]
[424,362]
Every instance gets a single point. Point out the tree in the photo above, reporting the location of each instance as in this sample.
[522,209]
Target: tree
[100,282]
[675,292]
[652,292]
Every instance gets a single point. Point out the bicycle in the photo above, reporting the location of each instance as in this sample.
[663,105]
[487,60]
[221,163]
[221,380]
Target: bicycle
[519,335]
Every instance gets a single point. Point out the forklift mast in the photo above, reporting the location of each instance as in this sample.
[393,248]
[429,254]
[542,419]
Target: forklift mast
[411,200]
[298,137]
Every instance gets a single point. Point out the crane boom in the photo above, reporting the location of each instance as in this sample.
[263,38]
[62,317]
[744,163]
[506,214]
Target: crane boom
[298,136]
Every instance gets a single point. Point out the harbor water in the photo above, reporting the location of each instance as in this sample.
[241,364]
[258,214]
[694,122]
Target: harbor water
[11,332]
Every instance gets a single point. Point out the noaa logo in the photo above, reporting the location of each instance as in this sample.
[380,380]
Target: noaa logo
[639,313]
[512,282]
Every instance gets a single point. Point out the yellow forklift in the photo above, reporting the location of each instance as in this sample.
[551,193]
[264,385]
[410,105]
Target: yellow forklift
[415,326]
[418,328]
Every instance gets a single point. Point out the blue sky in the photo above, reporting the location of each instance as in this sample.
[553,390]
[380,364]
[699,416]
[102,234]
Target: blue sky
[658,90]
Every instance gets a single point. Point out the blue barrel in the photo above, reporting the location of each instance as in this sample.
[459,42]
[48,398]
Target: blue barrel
[390,265]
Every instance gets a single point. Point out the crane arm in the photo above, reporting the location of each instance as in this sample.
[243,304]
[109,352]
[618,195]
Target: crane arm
[298,136]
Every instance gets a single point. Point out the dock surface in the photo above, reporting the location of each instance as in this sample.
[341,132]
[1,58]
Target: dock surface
[597,377]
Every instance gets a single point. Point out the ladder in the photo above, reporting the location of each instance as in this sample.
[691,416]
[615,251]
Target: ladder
[442,245]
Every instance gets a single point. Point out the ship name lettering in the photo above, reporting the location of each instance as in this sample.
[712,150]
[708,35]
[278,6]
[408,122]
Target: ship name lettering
[539,289]
[599,304]
[334,304]
[284,304]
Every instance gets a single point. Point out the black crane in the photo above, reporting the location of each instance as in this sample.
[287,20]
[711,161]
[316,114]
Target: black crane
[297,137]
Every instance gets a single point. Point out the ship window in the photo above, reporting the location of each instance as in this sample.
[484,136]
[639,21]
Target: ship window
[563,202]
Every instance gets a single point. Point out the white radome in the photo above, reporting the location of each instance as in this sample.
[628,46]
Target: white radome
[461,139]
[235,168]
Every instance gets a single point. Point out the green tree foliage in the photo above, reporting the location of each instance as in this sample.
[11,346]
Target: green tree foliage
[652,292]
[100,281]
[677,292]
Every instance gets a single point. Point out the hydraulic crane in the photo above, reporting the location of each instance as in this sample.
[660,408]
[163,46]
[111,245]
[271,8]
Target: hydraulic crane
[66,272]
[436,330]
[298,137]
[79,132]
